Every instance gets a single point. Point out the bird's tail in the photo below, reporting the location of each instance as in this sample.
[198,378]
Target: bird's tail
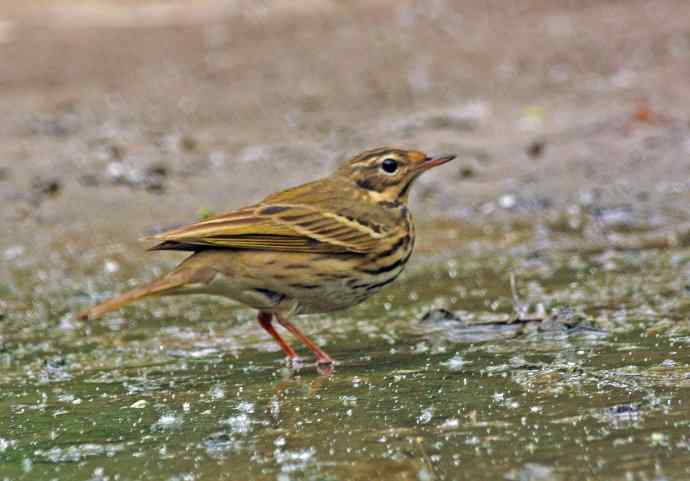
[188,273]
[157,287]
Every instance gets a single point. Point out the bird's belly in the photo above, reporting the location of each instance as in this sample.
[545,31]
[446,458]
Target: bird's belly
[302,298]
[305,283]
[238,290]
[341,293]
[327,298]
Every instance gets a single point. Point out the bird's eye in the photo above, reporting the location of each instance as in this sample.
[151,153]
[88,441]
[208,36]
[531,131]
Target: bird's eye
[389,166]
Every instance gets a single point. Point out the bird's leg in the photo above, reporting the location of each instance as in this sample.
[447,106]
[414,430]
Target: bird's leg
[321,356]
[264,319]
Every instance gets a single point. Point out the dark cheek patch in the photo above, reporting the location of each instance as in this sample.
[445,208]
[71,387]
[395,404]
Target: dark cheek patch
[369,185]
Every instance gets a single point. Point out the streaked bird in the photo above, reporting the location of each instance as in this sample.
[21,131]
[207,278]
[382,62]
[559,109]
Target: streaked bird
[320,247]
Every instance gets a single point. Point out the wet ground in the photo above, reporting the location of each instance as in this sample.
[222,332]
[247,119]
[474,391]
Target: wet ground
[579,371]
[540,333]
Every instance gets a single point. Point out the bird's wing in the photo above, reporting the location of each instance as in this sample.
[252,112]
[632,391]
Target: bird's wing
[276,227]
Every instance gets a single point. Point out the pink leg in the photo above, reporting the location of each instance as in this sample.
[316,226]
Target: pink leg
[264,319]
[321,356]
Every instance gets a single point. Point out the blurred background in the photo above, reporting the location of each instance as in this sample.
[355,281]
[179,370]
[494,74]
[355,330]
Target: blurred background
[571,122]
[118,115]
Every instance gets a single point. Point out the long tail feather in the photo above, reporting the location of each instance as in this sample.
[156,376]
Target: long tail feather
[157,287]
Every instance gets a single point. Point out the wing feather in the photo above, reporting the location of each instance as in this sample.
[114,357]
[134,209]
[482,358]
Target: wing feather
[276,227]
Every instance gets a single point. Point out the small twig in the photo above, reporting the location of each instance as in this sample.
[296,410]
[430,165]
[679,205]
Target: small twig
[522,309]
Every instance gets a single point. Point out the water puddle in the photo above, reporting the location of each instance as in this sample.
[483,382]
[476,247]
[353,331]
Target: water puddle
[579,370]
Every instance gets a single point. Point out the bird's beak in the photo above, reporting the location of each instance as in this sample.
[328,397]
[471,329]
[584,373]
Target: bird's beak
[431,162]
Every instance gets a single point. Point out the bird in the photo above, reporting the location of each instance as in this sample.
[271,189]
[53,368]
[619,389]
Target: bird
[319,247]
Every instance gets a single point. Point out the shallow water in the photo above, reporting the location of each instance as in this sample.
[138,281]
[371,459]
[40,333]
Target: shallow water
[192,389]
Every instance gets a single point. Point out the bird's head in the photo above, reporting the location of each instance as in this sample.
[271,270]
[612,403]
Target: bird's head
[387,173]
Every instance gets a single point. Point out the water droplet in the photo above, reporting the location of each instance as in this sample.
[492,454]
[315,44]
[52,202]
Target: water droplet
[110,266]
[348,400]
[426,416]
[217,392]
[5,444]
[168,421]
[455,363]
[13,252]
[507,201]
[240,424]
[424,474]
[450,423]
[246,407]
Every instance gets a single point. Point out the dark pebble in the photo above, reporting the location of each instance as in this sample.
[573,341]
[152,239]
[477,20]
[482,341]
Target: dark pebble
[157,169]
[189,143]
[439,315]
[55,363]
[536,149]
[154,180]
[466,172]
[624,409]
[114,152]
[46,187]
[154,183]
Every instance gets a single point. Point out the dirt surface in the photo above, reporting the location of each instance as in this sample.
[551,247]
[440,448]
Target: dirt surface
[120,116]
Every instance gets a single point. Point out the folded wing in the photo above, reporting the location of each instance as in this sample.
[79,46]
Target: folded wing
[275,227]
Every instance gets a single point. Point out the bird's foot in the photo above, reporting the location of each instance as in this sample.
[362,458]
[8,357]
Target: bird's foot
[323,359]
[325,370]
[294,362]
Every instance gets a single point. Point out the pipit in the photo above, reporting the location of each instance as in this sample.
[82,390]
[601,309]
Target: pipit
[320,247]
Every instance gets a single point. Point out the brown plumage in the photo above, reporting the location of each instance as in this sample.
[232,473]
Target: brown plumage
[319,247]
